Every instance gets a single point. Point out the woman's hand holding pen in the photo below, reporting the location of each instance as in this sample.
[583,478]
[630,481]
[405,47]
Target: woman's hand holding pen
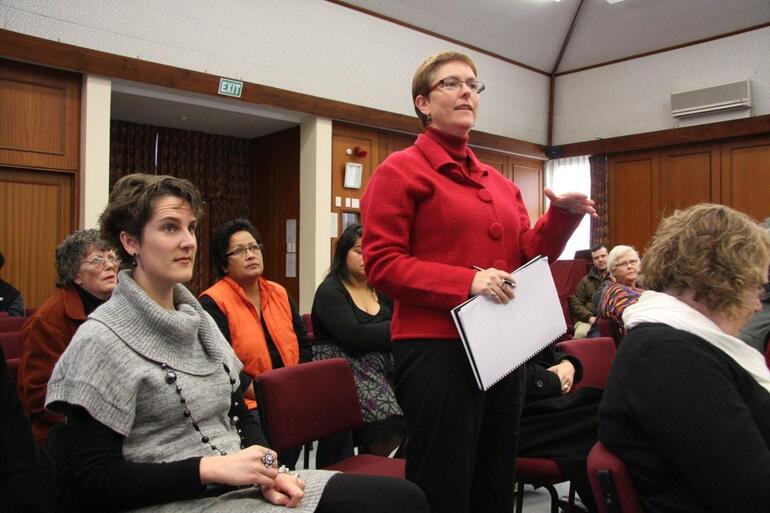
[497,285]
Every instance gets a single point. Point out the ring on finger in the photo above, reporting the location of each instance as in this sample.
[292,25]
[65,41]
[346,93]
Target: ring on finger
[268,460]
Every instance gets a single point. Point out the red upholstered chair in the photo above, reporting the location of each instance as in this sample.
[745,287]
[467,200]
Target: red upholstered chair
[28,312]
[611,483]
[4,314]
[313,400]
[540,472]
[11,323]
[595,355]
[609,328]
[11,344]
[308,321]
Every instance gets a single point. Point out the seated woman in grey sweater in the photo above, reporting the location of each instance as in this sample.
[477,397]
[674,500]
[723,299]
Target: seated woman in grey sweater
[155,418]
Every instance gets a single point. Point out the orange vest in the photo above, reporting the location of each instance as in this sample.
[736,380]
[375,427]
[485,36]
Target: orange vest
[246,334]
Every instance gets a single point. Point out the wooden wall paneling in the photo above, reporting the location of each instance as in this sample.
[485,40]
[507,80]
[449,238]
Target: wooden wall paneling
[689,175]
[39,117]
[344,138]
[634,198]
[38,213]
[746,175]
[527,174]
[494,159]
[274,199]
[393,141]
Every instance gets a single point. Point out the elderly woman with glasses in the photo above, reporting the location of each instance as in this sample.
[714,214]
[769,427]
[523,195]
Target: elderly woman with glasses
[257,316]
[430,214]
[623,288]
[87,270]
[687,404]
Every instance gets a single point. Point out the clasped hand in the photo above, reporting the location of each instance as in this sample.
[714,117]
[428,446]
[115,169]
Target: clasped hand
[245,467]
[566,372]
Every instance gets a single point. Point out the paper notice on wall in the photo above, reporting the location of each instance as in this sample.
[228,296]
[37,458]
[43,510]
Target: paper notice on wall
[291,265]
[333,225]
[355,203]
[291,233]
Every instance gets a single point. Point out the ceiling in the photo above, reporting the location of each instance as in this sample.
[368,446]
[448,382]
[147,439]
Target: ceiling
[532,32]
[157,106]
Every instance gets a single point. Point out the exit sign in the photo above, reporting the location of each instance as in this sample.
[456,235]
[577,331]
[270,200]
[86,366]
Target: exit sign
[229,87]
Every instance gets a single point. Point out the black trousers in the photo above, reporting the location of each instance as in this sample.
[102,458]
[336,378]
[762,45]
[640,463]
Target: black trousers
[349,493]
[461,441]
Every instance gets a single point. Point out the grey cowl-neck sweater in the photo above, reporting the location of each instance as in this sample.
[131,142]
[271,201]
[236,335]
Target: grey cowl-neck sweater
[112,368]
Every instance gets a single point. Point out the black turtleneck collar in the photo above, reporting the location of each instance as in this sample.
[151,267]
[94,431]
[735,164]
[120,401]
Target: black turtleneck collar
[90,302]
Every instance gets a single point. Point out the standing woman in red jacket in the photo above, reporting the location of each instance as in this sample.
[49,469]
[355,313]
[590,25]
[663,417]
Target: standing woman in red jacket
[431,213]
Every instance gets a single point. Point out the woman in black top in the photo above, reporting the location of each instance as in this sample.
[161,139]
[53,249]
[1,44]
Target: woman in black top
[557,424]
[687,404]
[351,320]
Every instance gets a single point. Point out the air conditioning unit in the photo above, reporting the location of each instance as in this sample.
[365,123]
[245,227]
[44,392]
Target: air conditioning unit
[736,95]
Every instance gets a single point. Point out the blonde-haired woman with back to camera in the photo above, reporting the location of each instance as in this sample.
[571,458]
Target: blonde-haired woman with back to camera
[687,404]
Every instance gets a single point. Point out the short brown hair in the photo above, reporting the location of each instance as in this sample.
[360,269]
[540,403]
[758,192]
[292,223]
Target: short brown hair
[712,250]
[421,83]
[130,205]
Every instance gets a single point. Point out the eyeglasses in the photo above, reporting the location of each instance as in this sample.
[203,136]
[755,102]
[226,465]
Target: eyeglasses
[100,263]
[452,83]
[240,252]
[626,263]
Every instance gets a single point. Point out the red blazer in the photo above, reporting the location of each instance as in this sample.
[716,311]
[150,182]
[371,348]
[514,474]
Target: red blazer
[44,337]
[427,221]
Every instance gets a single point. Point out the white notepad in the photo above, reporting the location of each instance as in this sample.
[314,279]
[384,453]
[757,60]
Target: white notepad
[500,338]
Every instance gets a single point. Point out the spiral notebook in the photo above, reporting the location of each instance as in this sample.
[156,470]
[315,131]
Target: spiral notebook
[500,338]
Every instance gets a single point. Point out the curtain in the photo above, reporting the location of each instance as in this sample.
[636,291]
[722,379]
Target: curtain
[572,175]
[220,166]
[600,226]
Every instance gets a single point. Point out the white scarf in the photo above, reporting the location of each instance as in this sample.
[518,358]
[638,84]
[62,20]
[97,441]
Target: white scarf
[663,308]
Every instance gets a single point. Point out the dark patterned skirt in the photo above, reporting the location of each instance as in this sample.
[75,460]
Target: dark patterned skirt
[370,373]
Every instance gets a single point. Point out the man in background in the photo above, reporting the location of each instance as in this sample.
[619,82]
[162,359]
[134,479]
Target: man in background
[581,305]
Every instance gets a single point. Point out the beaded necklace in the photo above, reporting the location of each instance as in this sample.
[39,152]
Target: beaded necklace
[171,379]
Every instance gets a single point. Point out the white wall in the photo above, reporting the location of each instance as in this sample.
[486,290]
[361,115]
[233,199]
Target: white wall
[635,96]
[94,149]
[307,46]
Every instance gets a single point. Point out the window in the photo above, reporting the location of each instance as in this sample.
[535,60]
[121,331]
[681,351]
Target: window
[571,175]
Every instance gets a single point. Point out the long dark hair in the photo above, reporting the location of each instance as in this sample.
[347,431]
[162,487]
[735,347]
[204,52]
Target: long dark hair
[346,241]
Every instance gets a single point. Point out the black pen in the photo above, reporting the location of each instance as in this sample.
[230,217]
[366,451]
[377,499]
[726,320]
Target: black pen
[505,282]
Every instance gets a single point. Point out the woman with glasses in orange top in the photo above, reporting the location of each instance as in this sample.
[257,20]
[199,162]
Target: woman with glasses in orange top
[430,214]
[257,316]
[87,270]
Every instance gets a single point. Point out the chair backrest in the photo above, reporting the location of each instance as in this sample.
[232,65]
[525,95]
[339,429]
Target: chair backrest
[305,402]
[11,323]
[566,275]
[11,342]
[308,321]
[595,355]
[611,483]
